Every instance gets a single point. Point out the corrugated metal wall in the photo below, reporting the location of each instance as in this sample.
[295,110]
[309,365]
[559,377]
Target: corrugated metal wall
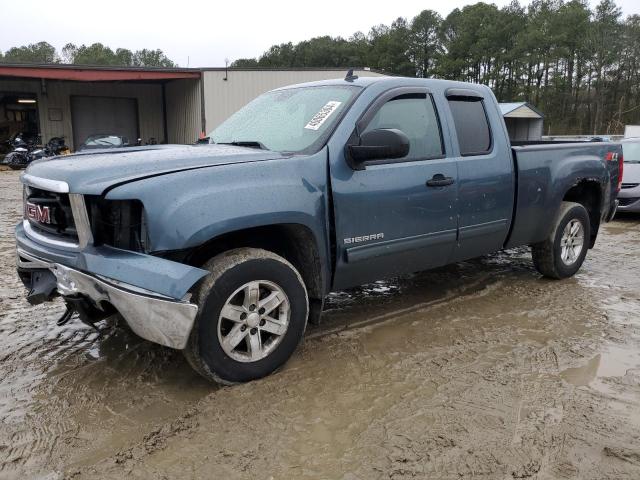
[184,112]
[223,98]
[56,95]
[522,129]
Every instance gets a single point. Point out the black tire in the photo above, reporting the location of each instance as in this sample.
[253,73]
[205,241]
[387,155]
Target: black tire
[230,271]
[547,255]
[15,161]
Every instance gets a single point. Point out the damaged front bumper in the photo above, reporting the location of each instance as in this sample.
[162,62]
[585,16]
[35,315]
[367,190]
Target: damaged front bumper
[160,320]
[150,293]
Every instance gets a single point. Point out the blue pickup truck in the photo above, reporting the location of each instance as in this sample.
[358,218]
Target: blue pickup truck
[225,250]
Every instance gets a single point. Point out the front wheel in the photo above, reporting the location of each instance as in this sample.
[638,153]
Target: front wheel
[252,314]
[561,254]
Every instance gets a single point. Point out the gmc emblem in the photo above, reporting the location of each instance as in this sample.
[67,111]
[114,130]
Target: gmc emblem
[38,213]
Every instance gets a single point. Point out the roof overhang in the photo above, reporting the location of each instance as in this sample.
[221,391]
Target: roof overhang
[94,74]
[523,112]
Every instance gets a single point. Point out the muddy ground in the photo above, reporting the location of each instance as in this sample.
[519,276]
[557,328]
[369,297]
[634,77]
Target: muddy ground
[478,370]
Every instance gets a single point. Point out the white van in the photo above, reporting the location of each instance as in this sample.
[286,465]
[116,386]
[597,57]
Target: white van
[632,131]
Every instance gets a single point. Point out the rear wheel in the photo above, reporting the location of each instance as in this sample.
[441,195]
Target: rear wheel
[562,253]
[15,160]
[253,311]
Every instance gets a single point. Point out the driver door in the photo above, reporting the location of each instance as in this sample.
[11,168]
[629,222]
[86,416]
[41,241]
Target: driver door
[391,217]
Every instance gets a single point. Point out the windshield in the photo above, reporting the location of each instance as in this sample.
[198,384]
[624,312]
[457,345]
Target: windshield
[292,120]
[631,152]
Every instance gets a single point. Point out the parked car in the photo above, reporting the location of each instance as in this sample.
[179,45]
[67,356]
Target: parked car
[629,195]
[226,250]
[103,141]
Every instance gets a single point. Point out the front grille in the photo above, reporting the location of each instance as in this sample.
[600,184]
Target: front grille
[623,202]
[49,212]
[629,185]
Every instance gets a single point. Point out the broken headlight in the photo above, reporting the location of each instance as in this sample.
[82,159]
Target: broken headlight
[119,224]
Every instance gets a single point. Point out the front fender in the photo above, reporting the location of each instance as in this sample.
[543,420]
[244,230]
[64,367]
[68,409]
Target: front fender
[186,209]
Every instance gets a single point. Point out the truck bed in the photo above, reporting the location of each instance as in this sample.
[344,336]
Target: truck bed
[546,171]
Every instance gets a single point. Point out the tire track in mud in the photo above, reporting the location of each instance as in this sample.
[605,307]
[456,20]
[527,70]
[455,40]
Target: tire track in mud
[66,390]
[27,338]
[489,402]
[480,369]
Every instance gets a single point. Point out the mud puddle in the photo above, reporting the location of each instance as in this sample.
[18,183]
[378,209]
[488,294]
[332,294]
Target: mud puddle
[480,369]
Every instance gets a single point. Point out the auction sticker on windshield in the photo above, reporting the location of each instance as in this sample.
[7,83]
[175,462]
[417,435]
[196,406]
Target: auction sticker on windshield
[325,112]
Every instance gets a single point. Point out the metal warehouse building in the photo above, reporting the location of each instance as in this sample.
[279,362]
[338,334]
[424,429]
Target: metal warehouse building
[168,105]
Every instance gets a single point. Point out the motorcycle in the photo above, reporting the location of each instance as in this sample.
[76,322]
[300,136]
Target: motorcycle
[54,147]
[24,153]
[21,144]
[151,141]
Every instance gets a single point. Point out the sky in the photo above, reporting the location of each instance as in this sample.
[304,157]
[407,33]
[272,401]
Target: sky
[201,33]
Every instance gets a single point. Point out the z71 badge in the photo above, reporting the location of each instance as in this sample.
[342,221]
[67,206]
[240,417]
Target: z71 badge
[363,238]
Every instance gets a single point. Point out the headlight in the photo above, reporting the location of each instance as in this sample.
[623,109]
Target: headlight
[119,224]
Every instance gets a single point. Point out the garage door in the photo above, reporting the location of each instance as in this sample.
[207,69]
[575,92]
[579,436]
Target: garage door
[103,115]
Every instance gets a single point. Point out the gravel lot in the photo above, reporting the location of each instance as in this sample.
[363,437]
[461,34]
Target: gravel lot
[478,370]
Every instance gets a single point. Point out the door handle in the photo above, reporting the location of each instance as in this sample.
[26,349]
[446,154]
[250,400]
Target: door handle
[439,180]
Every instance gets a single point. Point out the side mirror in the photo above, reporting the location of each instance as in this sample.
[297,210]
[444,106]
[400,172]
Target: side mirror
[379,144]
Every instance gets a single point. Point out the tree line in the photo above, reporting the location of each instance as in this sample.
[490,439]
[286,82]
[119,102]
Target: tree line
[580,66]
[94,54]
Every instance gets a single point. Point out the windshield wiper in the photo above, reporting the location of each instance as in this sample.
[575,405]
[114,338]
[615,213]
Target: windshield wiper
[246,143]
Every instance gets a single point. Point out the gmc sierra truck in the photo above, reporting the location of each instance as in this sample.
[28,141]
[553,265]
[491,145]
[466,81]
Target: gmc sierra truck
[225,250]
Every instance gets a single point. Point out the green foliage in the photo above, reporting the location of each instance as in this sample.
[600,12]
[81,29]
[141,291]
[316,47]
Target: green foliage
[40,52]
[425,48]
[151,58]
[94,54]
[245,63]
[580,66]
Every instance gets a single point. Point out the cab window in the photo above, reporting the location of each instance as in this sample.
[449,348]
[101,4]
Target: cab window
[472,126]
[415,115]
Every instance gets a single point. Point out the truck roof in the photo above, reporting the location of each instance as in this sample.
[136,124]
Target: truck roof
[393,81]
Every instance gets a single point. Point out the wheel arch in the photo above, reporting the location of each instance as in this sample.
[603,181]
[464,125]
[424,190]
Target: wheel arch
[588,193]
[293,241]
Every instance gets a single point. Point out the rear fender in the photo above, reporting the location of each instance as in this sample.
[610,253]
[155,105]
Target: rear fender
[545,174]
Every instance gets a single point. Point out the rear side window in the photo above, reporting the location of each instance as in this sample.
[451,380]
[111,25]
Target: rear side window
[415,115]
[472,126]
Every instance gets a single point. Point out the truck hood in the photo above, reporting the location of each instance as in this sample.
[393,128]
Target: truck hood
[92,173]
